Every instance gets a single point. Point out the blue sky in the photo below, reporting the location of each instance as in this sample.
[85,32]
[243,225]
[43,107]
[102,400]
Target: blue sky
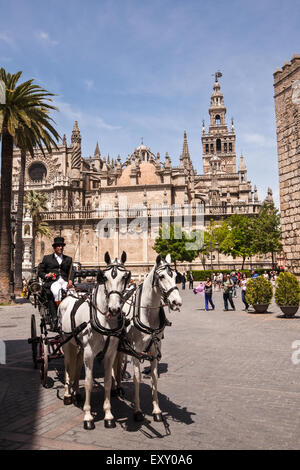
[127,69]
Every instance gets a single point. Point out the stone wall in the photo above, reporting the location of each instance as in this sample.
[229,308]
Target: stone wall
[287,109]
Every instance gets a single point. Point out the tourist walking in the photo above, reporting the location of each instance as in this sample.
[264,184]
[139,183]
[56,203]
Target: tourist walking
[219,280]
[183,280]
[191,280]
[234,279]
[243,287]
[208,294]
[227,286]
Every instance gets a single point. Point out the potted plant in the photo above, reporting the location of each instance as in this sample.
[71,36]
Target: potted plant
[259,293]
[287,294]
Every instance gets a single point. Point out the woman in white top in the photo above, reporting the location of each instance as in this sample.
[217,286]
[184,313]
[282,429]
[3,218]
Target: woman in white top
[243,287]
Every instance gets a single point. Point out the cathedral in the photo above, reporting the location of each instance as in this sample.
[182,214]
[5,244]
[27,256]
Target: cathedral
[101,204]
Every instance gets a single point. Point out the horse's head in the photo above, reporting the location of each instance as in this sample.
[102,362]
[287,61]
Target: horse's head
[165,279]
[115,279]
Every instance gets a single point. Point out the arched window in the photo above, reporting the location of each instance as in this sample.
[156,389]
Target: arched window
[218,145]
[217,120]
[27,230]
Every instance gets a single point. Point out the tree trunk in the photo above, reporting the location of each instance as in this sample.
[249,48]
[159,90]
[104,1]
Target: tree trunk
[19,221]
[5,215]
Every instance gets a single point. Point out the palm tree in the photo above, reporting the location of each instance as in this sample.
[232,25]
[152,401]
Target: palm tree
[36,203]
[25,121]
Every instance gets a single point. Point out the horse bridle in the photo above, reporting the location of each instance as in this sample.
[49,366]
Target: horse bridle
[165,294]
[115,266]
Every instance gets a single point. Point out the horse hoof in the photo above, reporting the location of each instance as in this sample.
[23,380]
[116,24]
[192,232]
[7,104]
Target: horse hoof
[138,416]
[89,425]
[67,400]
[109,423]
[157,417]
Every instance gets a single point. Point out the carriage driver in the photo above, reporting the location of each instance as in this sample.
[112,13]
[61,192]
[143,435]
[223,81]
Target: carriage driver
[56,270]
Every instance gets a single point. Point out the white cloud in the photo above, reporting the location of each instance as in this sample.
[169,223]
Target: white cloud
[5,38]
[86,119]
[258,139]
[89,84]
[44,37]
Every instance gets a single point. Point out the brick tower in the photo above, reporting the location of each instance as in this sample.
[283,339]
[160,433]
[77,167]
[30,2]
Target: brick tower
[219,141]
[287,109]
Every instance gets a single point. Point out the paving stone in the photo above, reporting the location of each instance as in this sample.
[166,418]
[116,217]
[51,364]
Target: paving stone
[227,382]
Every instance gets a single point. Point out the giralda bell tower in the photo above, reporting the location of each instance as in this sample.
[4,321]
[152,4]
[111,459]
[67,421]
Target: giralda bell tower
[218,142]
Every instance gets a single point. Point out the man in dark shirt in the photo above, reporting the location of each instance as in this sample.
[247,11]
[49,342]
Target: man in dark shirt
[234,279]
[56,270]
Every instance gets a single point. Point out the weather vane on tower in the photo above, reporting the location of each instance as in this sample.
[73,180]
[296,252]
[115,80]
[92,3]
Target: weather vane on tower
[217,74]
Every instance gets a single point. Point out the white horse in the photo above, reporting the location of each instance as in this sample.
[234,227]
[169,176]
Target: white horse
[105,321]
[147,325]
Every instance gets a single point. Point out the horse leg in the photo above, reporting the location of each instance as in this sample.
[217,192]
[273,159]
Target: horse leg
[110,356]
[67,361]
[137,413]
[117,371]
[78,367]
[88,422]
[157,415]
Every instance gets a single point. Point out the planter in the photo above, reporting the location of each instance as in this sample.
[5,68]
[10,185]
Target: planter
[261,308]
[289,310]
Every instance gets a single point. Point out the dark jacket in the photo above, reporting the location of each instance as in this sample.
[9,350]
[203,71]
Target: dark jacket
[49,264]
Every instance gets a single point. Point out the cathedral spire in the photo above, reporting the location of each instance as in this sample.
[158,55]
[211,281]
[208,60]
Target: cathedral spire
[97,151]
[185,149]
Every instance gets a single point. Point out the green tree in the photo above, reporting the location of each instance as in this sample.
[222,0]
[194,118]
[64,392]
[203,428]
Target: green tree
[26,107]
[214,236]
[267,230]
[181,246]
[239,237]
[36,203]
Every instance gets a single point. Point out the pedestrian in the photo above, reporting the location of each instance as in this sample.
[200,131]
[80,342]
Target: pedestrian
[253,274]
[243,287]
[266,275]
[208,288]
[191,280]
[219,280]
[178,279]
[234,279]
[183,280]
[227,286]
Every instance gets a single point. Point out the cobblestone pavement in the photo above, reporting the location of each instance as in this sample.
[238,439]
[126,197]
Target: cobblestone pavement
[227,381]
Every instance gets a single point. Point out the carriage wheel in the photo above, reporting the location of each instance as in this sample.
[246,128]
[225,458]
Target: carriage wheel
[34,344]
[44,362]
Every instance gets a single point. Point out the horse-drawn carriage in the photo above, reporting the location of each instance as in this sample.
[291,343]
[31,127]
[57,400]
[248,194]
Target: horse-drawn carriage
[46,346]
[112,319]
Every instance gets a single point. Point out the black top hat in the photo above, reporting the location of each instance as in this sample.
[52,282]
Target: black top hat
[59,241]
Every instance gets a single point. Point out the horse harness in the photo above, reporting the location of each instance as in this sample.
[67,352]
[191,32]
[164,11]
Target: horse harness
[91,299]
[119,331]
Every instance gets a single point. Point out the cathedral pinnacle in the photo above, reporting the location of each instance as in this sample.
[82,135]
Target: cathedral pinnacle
[185,149]
[97,151]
